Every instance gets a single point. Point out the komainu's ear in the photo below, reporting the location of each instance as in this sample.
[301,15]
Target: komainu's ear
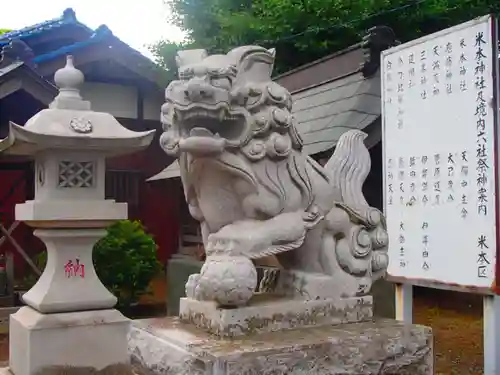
[254,63]
[190,56]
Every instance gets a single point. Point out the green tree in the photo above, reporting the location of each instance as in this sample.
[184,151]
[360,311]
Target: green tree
[3,31]
[164,53]
[304,30]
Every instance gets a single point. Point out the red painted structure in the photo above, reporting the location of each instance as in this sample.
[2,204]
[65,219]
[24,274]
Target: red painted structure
[158,203]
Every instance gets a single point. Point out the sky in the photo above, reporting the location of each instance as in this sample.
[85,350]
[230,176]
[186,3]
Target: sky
[137,23]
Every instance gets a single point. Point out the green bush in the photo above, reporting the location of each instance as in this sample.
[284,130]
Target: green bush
[125,261]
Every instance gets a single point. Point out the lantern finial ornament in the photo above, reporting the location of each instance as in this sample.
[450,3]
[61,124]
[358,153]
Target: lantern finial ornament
[68,80]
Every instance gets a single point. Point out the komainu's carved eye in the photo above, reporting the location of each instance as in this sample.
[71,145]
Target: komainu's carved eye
[186,74]
[227,71]
[216,71]
[222,82]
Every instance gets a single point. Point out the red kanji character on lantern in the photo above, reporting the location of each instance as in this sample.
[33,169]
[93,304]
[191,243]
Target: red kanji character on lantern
[79,269]
[68,269]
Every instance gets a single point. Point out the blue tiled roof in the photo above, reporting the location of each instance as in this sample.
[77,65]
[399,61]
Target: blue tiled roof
[101,34]
[68,17]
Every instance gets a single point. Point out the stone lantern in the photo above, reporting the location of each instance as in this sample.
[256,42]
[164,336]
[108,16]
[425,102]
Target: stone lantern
[69,306]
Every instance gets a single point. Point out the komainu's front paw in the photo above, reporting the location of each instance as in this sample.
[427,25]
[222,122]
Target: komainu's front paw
[243,239]
[259,238]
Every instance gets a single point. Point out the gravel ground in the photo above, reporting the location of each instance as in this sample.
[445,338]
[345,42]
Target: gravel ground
[456,320]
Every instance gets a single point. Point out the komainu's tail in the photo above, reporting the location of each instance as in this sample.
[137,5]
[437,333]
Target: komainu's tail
[362,249]
[348,167]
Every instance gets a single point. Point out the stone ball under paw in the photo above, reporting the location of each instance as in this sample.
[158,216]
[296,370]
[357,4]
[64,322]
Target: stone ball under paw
[228,280]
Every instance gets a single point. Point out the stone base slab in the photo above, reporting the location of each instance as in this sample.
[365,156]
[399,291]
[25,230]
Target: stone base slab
[43,344]
[274,315]
[167,346]
[65,370]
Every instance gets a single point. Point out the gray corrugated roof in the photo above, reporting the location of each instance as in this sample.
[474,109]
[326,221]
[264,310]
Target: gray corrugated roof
[325,111]
[331,67]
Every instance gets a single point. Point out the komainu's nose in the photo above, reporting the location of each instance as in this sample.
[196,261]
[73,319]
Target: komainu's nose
[198,90]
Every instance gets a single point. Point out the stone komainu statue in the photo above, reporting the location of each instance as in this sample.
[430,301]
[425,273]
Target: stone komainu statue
[252,188]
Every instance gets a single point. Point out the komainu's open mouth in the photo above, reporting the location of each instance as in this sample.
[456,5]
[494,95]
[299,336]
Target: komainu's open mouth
[202,141]
[208,131]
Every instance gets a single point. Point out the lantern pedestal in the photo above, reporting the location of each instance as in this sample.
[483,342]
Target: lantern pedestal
[69,326]
[69,281]
[85,342]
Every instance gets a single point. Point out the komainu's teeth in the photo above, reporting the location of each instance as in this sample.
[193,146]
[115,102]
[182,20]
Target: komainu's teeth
[200,132]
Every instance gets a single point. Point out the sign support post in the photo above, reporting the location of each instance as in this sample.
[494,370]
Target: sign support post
[404,302]
[491,334]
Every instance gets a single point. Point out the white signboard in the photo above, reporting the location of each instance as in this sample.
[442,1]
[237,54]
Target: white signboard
[440,159]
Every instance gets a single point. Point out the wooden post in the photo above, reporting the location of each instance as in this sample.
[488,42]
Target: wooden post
[9,269]
[404,302]
[491,334]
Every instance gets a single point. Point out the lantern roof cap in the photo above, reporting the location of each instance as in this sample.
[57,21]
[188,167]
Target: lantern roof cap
[70,123]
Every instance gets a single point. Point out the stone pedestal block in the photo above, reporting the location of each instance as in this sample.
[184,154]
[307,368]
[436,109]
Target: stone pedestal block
[169,347]
[265,315]
[48,343]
